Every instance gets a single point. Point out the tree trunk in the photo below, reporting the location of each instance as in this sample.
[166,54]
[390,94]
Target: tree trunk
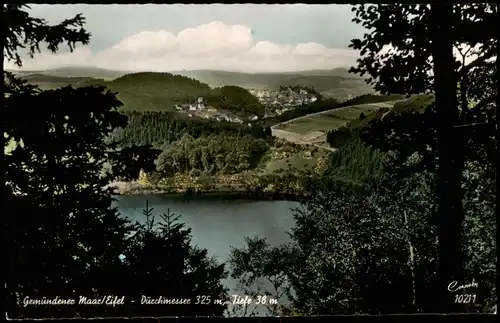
[448,191]
[411,262]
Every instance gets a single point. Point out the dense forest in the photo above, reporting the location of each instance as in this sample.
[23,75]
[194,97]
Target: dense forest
[159,128]
[148,91]
[211,154]
[342,135]
[151,91]
[237,100]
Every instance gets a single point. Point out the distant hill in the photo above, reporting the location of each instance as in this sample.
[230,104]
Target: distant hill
[337,83]
[157,91]
[47,82]
[149,91]
[42,78]
[82,71]
[340,71]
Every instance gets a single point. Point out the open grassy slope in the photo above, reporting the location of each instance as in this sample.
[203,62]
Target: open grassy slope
[328,120]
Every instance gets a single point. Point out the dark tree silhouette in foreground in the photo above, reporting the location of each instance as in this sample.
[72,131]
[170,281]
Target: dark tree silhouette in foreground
[410,51]
[350,244]
[161,261]
[63,237]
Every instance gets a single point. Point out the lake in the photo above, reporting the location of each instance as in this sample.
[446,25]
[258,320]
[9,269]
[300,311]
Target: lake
[216,223]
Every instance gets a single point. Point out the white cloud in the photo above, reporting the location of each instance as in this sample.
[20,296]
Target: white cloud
[209,46]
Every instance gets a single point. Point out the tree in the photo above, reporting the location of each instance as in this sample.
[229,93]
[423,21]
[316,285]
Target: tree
[65,233]
[265,266]
[19,31]
[410,51]
[64,238]
[162,262]
[347,246]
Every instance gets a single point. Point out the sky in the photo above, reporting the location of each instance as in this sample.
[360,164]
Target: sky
[238,37]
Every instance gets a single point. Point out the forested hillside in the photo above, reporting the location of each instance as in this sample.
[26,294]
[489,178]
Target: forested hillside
[159,128]
[236,99]
[151,91]
[148,91]
[342,135]
[212,154]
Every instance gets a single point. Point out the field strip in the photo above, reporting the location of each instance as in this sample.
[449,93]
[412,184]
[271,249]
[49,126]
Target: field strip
[387,104]
[318,138]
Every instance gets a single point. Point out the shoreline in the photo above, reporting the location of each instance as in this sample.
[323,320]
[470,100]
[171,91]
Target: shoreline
[135,189]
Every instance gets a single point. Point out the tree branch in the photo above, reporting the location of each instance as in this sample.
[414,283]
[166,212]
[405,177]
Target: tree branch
[480,61]
[484,102]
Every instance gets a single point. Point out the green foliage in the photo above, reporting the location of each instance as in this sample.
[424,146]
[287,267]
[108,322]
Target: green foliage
[355,164]
[350,246]
[64,237]
[161,261]
[68,235]
[371,98]
[263,265]
[480,232]
[352,130]
[158,128]
[237,100]
[409,50]
[20,31]
[329,104]
[225,154]
[149,91]
[409,138]
[346,247]
[418,103]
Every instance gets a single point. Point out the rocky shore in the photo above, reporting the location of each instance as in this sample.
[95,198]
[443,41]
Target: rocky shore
[234,191]
[134,188]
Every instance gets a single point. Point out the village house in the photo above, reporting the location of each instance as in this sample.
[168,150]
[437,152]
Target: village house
[200,104]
